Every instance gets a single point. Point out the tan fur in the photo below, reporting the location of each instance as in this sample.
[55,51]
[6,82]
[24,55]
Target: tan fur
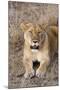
[47,42]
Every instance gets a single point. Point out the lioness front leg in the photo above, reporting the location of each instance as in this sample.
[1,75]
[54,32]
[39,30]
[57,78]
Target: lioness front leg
[28,68]
[42,68]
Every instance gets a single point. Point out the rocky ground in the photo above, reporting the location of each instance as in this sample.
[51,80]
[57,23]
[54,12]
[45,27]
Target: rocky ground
[36,13]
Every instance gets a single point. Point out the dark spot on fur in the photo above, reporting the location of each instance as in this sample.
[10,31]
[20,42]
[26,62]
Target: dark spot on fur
[36,64]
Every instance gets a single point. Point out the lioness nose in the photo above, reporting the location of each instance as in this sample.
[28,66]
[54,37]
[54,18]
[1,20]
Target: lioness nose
[35,41]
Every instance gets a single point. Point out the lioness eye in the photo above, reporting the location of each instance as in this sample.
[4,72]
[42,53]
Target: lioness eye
[39,33]
[30,32]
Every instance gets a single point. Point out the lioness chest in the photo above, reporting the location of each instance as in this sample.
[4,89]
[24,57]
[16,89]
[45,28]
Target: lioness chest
[36,55]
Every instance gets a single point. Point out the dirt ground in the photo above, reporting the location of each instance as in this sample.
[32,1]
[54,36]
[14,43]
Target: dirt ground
[37,13]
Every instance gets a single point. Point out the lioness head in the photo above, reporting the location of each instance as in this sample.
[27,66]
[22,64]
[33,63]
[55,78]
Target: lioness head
[34,35]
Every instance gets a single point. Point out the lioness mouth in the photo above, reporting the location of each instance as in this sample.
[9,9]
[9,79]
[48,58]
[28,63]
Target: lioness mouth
[34,47]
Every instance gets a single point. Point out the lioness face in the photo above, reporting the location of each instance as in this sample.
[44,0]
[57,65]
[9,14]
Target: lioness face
[34,36]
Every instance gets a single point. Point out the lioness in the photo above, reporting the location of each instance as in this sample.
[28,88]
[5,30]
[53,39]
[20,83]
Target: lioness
[39,45]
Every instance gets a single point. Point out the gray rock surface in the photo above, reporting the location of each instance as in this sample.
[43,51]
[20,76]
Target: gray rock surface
[36,13]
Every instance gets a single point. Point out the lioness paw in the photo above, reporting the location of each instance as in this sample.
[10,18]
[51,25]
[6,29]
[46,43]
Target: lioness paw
[29,74]
[40,73]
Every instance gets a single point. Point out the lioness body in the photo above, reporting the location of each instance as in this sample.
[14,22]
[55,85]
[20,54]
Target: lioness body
[39,45]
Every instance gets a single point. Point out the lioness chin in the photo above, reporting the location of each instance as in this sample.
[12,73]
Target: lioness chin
[39,44]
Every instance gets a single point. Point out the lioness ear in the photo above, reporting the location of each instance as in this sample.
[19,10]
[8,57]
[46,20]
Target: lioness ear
[25,26]
[54,29]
